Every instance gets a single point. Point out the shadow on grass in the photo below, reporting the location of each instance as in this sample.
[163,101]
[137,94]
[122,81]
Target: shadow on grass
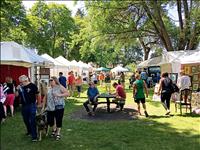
[143,133]
[102,114]
[188,115]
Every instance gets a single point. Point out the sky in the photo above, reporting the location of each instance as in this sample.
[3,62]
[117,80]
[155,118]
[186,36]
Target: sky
[70,4]
[80,4]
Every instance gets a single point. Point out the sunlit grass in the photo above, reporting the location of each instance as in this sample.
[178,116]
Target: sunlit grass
[154,133]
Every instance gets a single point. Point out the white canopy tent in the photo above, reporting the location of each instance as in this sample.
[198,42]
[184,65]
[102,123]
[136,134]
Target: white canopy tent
[119,69]
[58,66]
[14,54]
[62,60]
[171,61]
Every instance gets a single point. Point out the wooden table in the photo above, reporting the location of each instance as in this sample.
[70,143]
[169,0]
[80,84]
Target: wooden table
[108,102]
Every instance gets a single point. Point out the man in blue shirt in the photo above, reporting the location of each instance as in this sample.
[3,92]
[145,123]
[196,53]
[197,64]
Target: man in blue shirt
[144,75]
[62,80]
[92,94]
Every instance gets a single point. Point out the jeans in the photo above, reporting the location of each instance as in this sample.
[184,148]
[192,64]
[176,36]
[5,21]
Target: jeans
[93,102]
[28,114]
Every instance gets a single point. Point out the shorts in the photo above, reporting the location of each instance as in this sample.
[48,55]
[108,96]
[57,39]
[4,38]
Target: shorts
[138,100]
[185,92]
[9,100]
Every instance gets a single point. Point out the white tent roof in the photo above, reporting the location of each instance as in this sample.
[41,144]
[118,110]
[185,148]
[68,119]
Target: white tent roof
[14,54]
[74,63]
[56,63]
[191,58]
[82,65]
[182,57]
[62,60]
[119,69]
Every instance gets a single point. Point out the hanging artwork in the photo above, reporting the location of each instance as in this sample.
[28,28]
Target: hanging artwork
[195,77]
[187,70]
[194,69]
[195,86]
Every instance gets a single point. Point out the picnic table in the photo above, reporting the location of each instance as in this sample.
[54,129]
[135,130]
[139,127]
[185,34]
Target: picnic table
[107,97]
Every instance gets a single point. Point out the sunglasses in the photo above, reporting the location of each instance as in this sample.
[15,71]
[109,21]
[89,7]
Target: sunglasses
[50,80]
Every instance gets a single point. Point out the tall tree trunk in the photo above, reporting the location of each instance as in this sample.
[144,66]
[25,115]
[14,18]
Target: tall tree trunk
[146,49]
[181,43]
[158,24]
[187,23]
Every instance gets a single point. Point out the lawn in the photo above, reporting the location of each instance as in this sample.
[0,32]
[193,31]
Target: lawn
[154,133]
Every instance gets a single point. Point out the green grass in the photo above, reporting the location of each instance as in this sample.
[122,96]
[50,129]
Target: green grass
[154,133]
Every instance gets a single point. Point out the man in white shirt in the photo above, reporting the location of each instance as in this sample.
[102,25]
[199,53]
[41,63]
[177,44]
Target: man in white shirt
[184,83]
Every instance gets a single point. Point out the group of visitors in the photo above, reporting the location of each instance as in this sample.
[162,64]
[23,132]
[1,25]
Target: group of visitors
[71,82]
[93,93]
[7,98]
[53,98]
[30,98]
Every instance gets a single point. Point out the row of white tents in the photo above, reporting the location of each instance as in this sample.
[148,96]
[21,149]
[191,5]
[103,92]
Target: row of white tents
[63,65]
[15,54]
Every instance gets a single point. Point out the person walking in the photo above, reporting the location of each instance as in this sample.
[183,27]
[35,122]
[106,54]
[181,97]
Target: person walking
[79,82]
[10,95]
[108,83]
[122,79]
[144,75]
[55,103]
[28,93]
[62,80]
[165,89]
[138,93]
[71,83]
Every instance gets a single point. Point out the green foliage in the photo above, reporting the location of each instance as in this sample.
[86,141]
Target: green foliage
[13,21]
[51,28]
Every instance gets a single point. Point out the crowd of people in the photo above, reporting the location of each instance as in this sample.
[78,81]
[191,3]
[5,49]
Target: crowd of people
[52,99]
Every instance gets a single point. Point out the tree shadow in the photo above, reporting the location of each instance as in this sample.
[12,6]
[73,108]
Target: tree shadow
[102,114]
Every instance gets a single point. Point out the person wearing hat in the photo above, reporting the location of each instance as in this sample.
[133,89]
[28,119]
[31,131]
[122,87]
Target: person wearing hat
[184,84]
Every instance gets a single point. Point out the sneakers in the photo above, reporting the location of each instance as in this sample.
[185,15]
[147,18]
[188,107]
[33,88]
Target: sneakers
[27,134]
[53,133]
[34,140]
[91,114]
[57,137]
[146,114]
[168,112]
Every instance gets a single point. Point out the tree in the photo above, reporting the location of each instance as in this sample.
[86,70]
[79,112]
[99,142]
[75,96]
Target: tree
[51,27]
[123,22]
[146,22]
[188,36]
[13,21]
